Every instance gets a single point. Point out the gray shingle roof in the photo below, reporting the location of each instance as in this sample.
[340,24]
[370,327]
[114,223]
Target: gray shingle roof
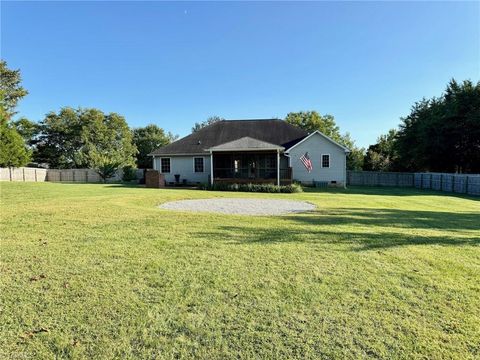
[273,131]
[246,143]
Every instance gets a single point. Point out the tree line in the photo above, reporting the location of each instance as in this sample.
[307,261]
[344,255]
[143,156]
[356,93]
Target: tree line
[72,138]
[439,134]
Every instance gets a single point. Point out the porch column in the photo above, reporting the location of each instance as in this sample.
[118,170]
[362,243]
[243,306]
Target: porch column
[278,167]
[211,167]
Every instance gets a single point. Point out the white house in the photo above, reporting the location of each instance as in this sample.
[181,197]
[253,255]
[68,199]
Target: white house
[252,151]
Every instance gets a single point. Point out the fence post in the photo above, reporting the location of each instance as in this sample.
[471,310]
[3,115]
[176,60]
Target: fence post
[73,175]
[35,172]
[421,181]
[23,173]
[441,182]
[86,176]
[466,184]
[431,181]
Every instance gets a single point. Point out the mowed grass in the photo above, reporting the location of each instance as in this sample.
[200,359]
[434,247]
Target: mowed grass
[98,271]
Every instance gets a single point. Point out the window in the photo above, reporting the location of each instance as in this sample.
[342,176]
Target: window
[325,161]
[198,165]
[164,165]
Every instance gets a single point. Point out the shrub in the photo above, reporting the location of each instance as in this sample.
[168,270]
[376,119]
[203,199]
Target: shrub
[129,173]
[263,188]
[292,188]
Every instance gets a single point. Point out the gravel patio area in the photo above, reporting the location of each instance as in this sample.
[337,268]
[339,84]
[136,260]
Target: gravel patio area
[240,206]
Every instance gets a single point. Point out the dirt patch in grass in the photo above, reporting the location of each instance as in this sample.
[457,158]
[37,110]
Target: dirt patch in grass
[238,206]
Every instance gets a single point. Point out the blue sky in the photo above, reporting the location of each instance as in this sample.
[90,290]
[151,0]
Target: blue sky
[177,63]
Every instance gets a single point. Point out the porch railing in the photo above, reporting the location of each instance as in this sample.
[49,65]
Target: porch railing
[261,175]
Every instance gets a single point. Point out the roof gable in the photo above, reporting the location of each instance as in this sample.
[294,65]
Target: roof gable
[246,143]
[321,134]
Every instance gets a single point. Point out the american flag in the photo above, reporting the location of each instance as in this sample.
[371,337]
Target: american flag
[307,162]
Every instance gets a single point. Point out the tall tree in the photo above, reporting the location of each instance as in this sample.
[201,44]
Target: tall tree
[11,92]
[27,129]
[356,155]
[60,139]
[147,139]
[311,121]
[211,120]
[13,151]
[12,146]
[443,134]
[78,138]
[382,156]
[106,142]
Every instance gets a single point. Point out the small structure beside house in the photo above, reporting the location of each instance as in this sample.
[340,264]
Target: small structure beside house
[252,151]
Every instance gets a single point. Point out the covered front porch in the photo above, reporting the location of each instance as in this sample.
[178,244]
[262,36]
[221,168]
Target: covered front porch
[249,161]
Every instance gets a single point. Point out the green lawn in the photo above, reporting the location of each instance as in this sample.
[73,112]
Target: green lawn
[98,271]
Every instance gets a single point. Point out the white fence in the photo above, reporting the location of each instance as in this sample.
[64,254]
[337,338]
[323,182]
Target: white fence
[23,174]
[58,175]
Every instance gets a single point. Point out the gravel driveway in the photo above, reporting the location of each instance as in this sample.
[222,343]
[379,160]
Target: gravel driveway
[240,206]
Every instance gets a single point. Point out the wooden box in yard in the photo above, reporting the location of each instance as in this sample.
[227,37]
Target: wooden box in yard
[153,179]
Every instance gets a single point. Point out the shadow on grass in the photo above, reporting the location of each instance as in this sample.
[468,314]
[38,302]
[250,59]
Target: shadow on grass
[355,241]
[126,184]
[142,186]
[389,191]
[114,184]
[319,228]
[393,218]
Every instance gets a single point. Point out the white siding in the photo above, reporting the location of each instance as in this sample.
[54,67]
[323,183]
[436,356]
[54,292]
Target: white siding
[317,145]
[183,165]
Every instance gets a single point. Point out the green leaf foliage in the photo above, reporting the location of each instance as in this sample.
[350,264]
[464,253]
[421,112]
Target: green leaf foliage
[13,152]
[60,139]
[85,138]
[311,121]
[356,155]
[27,129]
[262,188]
[147,139]
[129,173]
[107,142]
[383,155]
[443,134]
[11,92]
